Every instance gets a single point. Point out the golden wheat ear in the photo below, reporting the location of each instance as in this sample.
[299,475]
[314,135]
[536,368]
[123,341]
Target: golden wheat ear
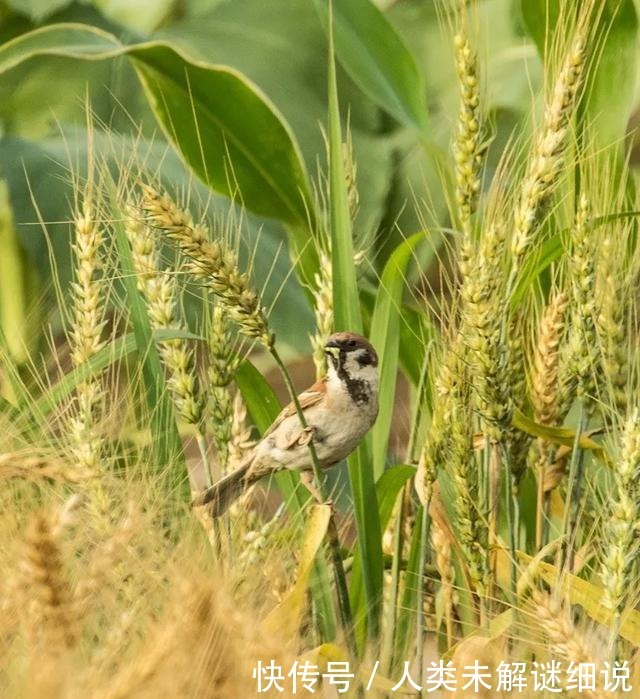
[221,495]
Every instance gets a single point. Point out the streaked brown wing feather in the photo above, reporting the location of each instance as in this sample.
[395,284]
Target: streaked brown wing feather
[307,399]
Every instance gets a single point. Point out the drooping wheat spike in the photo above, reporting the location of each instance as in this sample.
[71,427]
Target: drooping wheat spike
[545,162]
[87,325]
[485,337]
[468,147]
[323,312]
[612,295]
[51,609]
[159,291]
[565,639]
[582,342]
[620,540]
[34,466]
[212,261]
[101,564]
[222,366]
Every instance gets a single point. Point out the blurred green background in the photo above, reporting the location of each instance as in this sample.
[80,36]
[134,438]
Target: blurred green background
[281,47]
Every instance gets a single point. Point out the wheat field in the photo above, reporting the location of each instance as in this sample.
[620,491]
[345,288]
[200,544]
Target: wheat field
[489,548]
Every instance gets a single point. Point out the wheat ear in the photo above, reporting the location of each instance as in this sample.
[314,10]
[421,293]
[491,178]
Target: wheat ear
[323,312]
[159,291]
[620,541]
[468,148]
[85,336]
[222,366]
[212,261]
[52,609]
[583,340]
[546,158]
[612,297]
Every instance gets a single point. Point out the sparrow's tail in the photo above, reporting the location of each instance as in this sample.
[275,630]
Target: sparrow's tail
[221,495]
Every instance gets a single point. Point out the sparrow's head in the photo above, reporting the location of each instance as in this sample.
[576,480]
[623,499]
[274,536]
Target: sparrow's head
[353,361]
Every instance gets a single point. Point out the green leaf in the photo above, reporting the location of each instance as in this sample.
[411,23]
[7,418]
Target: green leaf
[610,92]
[377,59]
[411,603]
[227,131]
[551,250]
[37,10]
[564,436]
[385,337]
[539,16]
[387,489]
[347,314]
[209,112]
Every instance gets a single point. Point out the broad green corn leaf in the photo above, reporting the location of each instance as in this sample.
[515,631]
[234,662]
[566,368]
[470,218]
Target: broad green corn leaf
[225,128]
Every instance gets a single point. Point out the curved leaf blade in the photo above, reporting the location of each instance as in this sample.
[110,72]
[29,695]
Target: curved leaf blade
[225,128]
[227,131]
[377,59]
[385,337]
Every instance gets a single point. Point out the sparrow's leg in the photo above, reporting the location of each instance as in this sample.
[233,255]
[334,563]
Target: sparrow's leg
[307,479]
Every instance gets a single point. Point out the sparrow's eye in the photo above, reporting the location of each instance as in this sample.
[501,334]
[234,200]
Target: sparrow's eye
[352,344]
[364,359]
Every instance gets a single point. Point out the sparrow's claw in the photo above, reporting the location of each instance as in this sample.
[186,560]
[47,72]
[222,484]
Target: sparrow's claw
[307,479]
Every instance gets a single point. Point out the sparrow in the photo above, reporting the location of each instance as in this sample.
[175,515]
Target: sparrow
[339,410]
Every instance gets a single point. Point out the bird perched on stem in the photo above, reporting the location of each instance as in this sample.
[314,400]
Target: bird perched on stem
[339,410]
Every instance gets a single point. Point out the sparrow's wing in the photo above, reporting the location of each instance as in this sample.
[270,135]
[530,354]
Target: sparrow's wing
[308,398]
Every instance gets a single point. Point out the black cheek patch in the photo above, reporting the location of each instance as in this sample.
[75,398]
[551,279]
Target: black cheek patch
[365,359]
